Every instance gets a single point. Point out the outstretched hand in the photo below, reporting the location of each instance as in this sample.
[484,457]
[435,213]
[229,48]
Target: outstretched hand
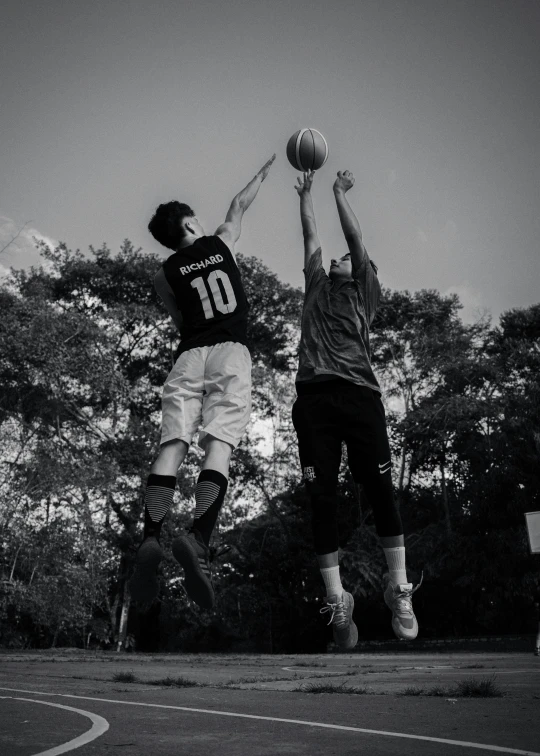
[304,185]
[263,173]
[344,181]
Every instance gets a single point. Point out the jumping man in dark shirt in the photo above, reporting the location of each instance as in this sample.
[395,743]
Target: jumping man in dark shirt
[339,400]
[209,385]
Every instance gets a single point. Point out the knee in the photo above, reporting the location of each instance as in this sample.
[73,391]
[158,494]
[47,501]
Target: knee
[170,457]
[322,497]
[217,454]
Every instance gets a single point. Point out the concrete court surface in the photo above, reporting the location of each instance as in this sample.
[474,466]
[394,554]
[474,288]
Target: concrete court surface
[254,705]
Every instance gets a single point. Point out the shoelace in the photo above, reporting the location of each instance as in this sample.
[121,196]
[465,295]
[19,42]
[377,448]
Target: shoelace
[403,600]
[217,553]
[338,610]
[209,556]
[211,553]
[205,566]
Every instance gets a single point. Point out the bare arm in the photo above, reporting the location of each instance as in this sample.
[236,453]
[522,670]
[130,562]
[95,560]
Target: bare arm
[166,294]
[230,230]
[307,216]
[349,221]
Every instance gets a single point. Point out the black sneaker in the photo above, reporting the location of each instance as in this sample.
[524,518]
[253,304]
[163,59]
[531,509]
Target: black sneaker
[194,556]
[144,584]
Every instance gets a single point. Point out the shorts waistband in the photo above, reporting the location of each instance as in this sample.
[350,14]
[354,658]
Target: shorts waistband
[333,386]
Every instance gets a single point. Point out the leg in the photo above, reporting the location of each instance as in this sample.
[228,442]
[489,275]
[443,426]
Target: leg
[370,464]
[225,414]
[319,446]
[192,550]
[537,646]
[171,456]
[217,456]
[161,484]
[181,410]
[211,486]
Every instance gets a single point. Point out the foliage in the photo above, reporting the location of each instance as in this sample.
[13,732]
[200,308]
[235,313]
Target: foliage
[85,347]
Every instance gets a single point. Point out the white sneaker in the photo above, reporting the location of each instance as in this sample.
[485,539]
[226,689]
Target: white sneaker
[399,600]
[344,630]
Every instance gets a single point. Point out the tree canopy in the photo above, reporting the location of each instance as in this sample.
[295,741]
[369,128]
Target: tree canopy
[85,346]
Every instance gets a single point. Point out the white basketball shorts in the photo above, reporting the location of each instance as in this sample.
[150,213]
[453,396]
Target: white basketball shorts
[209,386]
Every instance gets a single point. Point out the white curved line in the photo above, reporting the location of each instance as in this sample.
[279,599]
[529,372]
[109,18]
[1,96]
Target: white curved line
[297,146]
[312,669]
[325,144]
[99,726]
[307,723]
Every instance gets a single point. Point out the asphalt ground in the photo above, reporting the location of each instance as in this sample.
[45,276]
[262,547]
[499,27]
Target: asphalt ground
[250,705]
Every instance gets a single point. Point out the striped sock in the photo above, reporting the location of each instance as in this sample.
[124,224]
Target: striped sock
[209,495]
[157,502]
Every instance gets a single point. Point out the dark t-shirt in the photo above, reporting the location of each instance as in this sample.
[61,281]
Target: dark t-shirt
[207,286]
[335,324]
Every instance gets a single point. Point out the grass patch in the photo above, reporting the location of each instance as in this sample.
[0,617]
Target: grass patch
[485,688]
[125,677]
[260,679]
[331,688]
[413,690]
[175,682]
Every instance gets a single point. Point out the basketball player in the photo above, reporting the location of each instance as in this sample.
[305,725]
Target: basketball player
[339,400]
[210,384]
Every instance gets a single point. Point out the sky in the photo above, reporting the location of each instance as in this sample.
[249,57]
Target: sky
[110,108]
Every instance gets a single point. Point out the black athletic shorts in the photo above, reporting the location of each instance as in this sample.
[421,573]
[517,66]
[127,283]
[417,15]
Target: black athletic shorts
[328,413]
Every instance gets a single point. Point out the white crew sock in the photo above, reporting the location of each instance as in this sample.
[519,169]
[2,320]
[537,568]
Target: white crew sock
[395,559]
[332,580]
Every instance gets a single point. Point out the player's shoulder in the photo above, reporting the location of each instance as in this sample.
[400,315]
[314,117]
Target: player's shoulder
[224,242]
[313,267]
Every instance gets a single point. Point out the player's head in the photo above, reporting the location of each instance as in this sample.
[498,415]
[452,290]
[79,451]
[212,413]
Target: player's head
[174,225]
[341,269]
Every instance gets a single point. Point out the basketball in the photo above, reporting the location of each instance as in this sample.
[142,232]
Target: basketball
[307,150]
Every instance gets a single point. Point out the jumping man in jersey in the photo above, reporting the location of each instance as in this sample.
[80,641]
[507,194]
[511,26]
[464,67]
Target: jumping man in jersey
[210,384]
[339,400]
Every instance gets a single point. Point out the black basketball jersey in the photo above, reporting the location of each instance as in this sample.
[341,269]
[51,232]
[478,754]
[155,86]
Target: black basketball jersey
[209,294]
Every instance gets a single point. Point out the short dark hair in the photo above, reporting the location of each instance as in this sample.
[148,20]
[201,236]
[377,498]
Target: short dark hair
[166,223]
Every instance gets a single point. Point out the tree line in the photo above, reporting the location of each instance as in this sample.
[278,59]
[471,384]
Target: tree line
[85,346]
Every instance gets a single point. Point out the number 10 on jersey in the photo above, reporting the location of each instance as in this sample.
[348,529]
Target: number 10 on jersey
[212,282]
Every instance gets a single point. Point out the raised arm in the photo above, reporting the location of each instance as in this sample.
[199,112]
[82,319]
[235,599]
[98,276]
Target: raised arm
[230,230]
[307,216]
[349,221]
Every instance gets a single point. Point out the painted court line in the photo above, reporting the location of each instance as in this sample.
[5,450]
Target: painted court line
[311,669]
[99,726]
[306,723]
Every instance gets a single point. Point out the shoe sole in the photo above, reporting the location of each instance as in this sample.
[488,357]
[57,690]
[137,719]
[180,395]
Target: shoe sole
[198,586]
[351,640]
[401,633]
[144,585]
[352,637]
